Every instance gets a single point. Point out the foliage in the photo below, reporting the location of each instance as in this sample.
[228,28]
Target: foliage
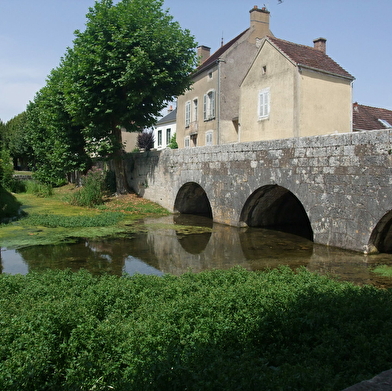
[173,142]
[9,205]
[92,191]
[23,233]
[53,221]
[7,169]
[39,189]
[145,140]
[383,270]
[217,330]
[57,143]
[15,138]
[131,59]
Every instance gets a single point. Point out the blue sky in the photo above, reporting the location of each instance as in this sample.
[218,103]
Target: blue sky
[34,34]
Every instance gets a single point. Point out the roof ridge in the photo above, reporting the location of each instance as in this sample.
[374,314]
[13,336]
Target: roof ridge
[214,56]
[318,60]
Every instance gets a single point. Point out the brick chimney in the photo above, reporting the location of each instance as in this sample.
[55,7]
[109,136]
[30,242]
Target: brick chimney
[259,23]
[320,44]
[203,52]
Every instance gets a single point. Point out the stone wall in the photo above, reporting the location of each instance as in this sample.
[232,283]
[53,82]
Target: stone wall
[343,181]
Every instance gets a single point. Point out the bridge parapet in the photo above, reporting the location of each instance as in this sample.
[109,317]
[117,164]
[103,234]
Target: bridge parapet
[343,181]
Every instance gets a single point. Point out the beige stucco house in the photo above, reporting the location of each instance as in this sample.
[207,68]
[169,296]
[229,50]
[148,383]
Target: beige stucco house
[294,90]
[207,114]
[258,87]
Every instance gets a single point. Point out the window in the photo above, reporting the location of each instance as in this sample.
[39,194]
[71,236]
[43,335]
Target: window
[168,136]
[209,106]
[209,137]
[187,114]
[194,109]
[264,103]
[159,138]
[385,123]
[186,142]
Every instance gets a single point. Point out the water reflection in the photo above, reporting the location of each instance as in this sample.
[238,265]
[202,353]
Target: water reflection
[171,245]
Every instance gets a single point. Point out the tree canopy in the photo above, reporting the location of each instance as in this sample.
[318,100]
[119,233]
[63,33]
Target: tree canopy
[131,60]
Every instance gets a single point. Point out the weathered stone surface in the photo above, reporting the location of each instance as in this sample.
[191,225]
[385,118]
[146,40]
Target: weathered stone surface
[381,382]
[343,181]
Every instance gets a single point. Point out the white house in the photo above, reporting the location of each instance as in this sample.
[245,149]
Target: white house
[165,129]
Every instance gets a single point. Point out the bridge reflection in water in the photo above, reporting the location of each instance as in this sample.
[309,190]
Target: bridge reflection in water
[180,243]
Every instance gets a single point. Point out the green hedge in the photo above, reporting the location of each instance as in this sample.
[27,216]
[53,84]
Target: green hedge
[217,330]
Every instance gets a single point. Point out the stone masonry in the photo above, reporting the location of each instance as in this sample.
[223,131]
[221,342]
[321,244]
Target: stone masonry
[343,181]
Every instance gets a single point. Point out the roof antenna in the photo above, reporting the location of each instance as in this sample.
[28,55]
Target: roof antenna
[222,39]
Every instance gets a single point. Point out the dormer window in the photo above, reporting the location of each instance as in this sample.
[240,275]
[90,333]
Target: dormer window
[385,123]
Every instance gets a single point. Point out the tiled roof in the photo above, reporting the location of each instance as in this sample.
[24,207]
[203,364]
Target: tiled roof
[310,57]
[171,117]
[215,56]
[368,118]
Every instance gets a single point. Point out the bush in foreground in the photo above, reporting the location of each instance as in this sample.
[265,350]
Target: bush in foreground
[217,330]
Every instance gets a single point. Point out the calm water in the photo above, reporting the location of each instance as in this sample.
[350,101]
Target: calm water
[165,249]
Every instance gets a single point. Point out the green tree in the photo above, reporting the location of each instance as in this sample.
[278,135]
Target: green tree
[129,62]
[15,140]
[2,133]
[57,143]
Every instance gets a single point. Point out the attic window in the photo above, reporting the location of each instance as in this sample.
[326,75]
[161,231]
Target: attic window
[385,123]
[210,75]
[264,69]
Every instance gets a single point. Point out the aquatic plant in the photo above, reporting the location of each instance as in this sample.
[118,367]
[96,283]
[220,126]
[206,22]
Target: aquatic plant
[216,330]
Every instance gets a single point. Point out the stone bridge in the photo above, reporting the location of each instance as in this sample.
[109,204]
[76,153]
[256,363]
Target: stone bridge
[335,189]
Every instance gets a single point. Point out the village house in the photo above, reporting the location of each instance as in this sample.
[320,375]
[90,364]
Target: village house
[165,129]
[259,87]
[294,90]
[207,114]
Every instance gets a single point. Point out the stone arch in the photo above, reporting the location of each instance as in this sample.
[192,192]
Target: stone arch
[381,237]
[276,207]
[192,199]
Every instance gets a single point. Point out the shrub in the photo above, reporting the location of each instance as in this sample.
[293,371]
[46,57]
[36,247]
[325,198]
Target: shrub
[92,191]
[216,330]
[9,206]
[145,140]
[39,189]
[173,142]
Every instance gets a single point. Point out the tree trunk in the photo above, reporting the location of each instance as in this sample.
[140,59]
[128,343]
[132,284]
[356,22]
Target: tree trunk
[118,162]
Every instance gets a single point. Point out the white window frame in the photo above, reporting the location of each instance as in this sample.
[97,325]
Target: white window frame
[209,135]
[264,101]
[187,113]
[187,142]
[159,136]
[209,105]
[168,136]
[195,108]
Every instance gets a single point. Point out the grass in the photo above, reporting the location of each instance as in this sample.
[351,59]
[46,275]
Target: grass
[216,330]
[53,220]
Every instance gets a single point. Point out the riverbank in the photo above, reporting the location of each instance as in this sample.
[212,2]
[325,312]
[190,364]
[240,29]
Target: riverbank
[52,220]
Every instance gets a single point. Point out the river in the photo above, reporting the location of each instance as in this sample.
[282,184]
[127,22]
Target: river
[177,244]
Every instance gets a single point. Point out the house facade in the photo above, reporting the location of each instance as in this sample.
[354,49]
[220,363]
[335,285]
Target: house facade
[294,90]
[207,114]
[165,129]
[258,87]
